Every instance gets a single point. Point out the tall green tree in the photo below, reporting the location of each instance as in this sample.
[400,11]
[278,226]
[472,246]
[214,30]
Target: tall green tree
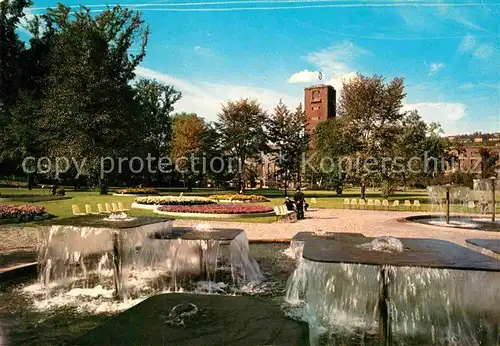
[335,140]
[11,50]
[241,125]
[156,103]
[216,159]
[187,145]
[287,132]
[88,106]
[489,162]
[373,109]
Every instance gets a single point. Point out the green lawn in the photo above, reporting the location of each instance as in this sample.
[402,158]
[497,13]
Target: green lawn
[325,199]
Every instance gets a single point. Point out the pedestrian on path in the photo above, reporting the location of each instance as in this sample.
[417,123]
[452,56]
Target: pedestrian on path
[299,203]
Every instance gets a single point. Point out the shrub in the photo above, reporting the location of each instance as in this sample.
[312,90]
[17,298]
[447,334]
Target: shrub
[20,211]
[138,191]
[218,208]
[228,197]
[174,200]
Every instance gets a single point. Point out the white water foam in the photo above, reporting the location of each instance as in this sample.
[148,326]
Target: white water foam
[77,267]
[383,244]
[119,217]
[452,223]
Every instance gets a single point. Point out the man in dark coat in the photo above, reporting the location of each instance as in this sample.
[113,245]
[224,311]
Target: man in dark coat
[299,203]
[289,204]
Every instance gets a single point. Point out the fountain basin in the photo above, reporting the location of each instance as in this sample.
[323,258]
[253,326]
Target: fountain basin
[432,292]
[475,223]
[143,252]
[490,247]
[418,252]
[70,249]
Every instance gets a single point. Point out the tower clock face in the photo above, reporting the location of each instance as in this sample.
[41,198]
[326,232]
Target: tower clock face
[316,96]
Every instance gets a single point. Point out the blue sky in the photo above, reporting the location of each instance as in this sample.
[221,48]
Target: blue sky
[447,51]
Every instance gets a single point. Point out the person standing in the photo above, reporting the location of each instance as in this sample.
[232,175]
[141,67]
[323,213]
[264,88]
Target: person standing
[299,203]
[363,191]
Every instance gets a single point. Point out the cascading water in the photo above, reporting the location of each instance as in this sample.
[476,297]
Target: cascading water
[295,249]
[79,257]
[483,194]
[132,263]
[342,302]
[459,198]
[243,267]
[334,299]
[180,259]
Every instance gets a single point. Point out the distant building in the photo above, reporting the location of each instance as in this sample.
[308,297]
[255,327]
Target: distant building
[320,105]
[467,157]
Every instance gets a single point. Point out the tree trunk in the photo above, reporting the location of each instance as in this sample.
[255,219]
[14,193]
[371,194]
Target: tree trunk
[103,188]
[241,175]
[286,181]
[30,181]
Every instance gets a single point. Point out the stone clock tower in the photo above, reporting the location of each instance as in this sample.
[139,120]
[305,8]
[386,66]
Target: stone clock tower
[319,104]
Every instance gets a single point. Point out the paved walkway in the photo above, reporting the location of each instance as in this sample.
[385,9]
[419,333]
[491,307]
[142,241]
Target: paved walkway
[369,223]
[17,244]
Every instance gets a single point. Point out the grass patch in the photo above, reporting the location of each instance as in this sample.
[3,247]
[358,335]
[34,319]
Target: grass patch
[61,208]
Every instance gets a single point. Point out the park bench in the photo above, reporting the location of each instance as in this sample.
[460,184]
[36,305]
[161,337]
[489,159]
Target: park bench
[110,208]
[285,215]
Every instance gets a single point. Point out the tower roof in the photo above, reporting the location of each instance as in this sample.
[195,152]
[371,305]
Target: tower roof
[319,86]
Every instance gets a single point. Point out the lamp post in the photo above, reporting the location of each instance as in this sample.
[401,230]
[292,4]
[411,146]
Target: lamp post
[493,202]
[448,203]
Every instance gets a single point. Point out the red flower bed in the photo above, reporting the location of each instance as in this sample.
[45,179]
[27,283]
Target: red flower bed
[217,208]
[20,211]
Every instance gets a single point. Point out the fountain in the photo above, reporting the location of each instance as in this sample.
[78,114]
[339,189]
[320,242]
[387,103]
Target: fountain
[443,197]
[484,193]
[395,291]
[456,206]
[112,255]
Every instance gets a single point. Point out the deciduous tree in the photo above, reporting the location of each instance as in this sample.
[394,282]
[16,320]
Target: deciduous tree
[187,144]
[241,125]
[89,110]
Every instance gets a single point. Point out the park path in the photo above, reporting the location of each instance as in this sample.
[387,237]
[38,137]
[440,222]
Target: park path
[18,244]
[369,223]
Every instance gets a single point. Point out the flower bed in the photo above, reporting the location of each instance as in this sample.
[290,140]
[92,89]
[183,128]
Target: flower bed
[217,209]
[20,212]
[137,191]
[153,201]
[239,198]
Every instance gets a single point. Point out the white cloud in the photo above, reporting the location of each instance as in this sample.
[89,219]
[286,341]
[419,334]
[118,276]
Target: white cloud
[206,99]
[467,43]
[467,86]
[337,59]
[335,63]
[337,82]
[435,67]
[204,51]
[484,51]
[23,22]
[304,76]
[447,114]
